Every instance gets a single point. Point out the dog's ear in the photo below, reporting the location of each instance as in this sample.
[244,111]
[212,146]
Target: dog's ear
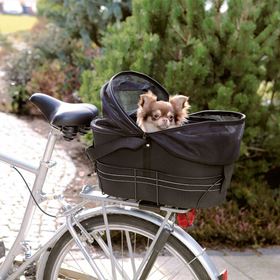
[180,102]
[146,99]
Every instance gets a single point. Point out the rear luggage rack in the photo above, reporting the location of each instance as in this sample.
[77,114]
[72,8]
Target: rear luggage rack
[93,194]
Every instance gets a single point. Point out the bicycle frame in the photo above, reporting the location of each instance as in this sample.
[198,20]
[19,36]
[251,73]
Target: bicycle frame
[74,217]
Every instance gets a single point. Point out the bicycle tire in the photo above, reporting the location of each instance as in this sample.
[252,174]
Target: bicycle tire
[60,252]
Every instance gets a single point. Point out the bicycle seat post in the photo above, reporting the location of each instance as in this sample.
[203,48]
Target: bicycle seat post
[53,135]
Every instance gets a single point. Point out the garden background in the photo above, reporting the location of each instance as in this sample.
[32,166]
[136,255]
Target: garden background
[223,54]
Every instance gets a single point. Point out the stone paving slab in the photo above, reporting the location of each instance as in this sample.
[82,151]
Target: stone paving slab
[20,141]
[258,264]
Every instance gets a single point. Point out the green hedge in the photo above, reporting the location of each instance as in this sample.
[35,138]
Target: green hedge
[85,19]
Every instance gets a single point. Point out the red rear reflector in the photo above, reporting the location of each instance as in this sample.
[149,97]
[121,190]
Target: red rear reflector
[186,220]
[223,275]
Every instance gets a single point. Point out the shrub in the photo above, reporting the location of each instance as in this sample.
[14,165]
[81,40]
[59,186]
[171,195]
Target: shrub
[4,42]
[52,64]
[47,78]
[220,59]
[85,19]
[88,90]
[254,222]
[19,71]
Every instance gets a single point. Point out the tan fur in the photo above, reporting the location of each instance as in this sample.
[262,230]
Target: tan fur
[153,115]
[181,106]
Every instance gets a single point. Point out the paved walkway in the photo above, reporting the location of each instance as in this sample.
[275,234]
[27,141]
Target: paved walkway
[261,264]
[19,140]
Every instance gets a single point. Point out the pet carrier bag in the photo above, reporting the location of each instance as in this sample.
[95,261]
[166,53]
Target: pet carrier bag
[187,167]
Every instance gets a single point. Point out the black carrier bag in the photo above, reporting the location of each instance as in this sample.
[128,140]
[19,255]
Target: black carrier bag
[188,167]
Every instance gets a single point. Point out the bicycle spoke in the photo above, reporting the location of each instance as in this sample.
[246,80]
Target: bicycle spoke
[108,235]
[176,271]
[83,249]
[158,268]
[130,252]
[151,255]
[76,262]
[106,250]
[73,266]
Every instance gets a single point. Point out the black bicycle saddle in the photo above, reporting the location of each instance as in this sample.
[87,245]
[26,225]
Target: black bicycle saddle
[62,114]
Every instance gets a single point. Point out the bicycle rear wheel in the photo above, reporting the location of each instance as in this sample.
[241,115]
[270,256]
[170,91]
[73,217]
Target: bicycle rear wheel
[131,237]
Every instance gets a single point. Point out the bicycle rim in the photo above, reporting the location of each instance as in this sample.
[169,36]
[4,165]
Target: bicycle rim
[131,237]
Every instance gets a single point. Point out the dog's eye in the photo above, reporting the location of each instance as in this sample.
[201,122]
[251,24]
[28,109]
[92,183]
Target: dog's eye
[156,116]
[171,118]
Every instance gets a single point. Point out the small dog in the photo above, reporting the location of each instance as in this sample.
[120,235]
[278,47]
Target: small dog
[153,115]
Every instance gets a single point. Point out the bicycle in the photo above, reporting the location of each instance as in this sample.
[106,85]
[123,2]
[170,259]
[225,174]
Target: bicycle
[120,239]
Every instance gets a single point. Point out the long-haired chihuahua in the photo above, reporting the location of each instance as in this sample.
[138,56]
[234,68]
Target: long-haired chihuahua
[153,115]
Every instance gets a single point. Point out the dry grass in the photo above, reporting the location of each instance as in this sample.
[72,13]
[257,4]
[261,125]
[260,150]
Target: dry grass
[14,23]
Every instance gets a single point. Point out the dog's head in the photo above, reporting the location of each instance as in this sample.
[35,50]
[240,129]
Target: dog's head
[153,115]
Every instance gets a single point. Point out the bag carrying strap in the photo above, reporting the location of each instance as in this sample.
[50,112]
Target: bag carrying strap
[100,151]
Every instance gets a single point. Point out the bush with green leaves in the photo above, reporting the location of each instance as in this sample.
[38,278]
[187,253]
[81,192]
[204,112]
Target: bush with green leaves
[52,63]
[19,72]
[218,53]
[4,42]
[85,19]
[249,218]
